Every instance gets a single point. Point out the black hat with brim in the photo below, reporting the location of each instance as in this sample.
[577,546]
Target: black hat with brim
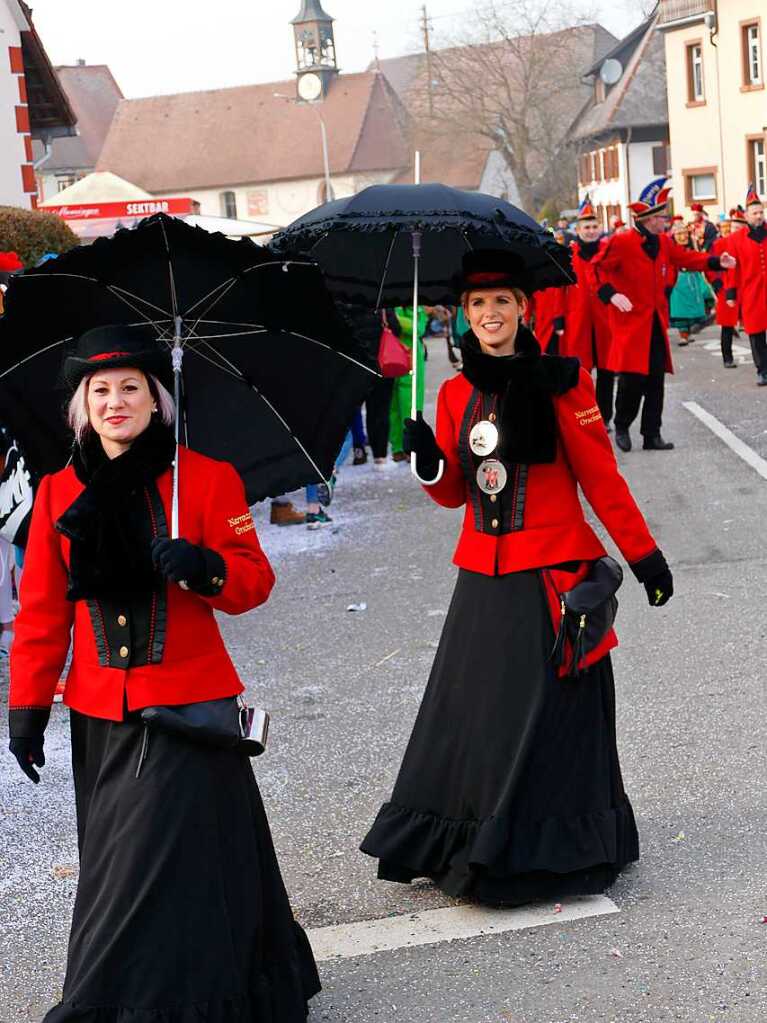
[492,268]
[117,346]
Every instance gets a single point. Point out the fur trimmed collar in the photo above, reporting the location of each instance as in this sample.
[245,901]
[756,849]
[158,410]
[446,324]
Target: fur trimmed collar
[525,384]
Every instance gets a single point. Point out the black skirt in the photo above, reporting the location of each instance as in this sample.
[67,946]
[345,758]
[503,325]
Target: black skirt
[181,914]
[510,790]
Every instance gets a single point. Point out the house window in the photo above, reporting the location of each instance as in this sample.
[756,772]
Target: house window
[757,165]
[695,91]
[584,170]
[64,182]
[700,184]
[752,55]
[229,205]
[596,166]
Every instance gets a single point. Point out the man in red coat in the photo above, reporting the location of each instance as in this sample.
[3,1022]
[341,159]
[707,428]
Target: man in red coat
[633,274]
[747,283]
[585,320]
[727,316]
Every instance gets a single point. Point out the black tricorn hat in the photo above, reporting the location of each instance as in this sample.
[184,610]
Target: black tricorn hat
[117,345]
[492,268]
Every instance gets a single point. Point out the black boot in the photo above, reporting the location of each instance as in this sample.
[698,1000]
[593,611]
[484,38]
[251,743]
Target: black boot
[657,443]
[623,439]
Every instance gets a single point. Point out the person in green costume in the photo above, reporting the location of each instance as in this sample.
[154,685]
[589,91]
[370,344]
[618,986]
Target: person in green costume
[401,395]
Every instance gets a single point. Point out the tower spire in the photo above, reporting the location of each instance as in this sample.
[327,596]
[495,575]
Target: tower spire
[315,48]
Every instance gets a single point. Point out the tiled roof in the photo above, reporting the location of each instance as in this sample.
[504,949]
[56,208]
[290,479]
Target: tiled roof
[639,98]
[94,95]
[246,135]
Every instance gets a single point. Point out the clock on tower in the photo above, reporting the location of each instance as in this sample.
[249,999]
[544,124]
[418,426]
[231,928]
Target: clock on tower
[315,51]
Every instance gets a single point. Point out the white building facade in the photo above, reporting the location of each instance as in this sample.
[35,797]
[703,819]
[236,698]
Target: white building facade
[17,179]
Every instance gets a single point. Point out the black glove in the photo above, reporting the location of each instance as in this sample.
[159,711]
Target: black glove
[200,569]
[655,575]
[660,588]
[29,752]
[418,436]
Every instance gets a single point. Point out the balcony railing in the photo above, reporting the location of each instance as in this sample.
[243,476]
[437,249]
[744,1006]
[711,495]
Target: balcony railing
[676,10]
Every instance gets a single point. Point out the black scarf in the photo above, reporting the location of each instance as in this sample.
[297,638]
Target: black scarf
[109,524]
[758,233]
[588,249]
[525,384]
[650,242]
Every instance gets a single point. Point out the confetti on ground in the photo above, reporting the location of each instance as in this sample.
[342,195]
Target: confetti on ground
[357,607]
[64,871]
[679,838]
[616,953]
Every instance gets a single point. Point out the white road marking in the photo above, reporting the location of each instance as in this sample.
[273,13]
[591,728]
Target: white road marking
[438,925]
[741,354]
[741,449]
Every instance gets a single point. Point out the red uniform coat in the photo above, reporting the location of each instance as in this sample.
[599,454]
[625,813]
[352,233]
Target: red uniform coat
[553,526]
[195,666]
[747,282]
[725,315]
[546,309]
[587,318]
[623,266]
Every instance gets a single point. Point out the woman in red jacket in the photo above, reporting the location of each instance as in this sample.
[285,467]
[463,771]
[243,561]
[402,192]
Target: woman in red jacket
[181,912]
[510,789]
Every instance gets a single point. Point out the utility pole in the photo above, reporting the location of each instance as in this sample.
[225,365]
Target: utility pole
[425,25]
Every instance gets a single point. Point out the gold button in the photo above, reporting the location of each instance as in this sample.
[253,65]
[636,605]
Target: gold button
[215,580]
[493,498]
[123,651]
[122,620]
[494,523]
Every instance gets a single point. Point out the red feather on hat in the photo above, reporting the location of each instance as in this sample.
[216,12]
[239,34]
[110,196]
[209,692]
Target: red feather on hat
[9,261]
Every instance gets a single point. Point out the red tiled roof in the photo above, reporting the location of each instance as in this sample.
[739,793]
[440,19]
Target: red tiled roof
[246,135]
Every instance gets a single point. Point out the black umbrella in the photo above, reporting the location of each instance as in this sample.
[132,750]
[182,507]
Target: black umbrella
[270,376]
[364,243]
[392,245]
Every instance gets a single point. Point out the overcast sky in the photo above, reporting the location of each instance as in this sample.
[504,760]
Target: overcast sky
[155,46]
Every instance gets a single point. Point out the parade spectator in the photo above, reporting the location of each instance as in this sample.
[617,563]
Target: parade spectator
[702,231]
[180,902]
[510,789]
[402,390]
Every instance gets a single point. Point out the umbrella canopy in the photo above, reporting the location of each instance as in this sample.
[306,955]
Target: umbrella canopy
[364,243]
[271,375]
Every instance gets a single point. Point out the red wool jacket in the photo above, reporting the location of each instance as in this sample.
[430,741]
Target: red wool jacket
[550,527]
[623,266]
[195,666]
[747,282]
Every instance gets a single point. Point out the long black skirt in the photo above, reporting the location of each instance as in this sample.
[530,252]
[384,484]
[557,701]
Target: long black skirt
[181,915]
[510,790]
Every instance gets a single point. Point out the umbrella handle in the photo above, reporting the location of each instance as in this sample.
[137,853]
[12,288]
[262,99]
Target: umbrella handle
[427,483]
[177,356]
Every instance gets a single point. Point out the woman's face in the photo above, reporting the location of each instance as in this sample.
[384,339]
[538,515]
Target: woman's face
[120,406]
[494,315]
[681,236]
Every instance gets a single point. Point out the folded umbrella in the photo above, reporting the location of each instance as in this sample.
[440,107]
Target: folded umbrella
[268,377]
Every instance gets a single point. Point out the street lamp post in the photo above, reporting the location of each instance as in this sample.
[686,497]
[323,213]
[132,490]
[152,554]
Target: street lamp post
[329,193]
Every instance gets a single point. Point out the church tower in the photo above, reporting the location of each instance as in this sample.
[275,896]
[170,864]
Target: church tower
[315,51]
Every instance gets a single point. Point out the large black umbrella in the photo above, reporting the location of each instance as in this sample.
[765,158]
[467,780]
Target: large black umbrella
[394,245]
[270,377]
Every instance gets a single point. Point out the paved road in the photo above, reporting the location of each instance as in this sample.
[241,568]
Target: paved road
[344,688]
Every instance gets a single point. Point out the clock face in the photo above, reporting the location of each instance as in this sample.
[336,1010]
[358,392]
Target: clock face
[310,86]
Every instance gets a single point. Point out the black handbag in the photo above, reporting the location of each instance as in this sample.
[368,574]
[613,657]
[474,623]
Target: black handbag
[588,612]
[227,723]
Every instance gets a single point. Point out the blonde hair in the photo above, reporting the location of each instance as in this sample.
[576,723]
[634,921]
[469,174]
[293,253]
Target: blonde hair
[77,410]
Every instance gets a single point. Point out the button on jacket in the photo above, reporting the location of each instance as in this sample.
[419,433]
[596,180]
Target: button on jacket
[138,652]
[537,519]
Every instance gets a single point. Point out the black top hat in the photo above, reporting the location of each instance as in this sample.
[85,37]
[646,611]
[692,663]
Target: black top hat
[492,268]
[118,345]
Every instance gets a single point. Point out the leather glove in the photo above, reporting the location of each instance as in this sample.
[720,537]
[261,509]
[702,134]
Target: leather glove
[29,752]
[178,560]
[418,437]
[660,588]
[196,568]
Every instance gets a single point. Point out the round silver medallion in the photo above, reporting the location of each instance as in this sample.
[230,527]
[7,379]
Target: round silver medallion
[491,476]
[483,439]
